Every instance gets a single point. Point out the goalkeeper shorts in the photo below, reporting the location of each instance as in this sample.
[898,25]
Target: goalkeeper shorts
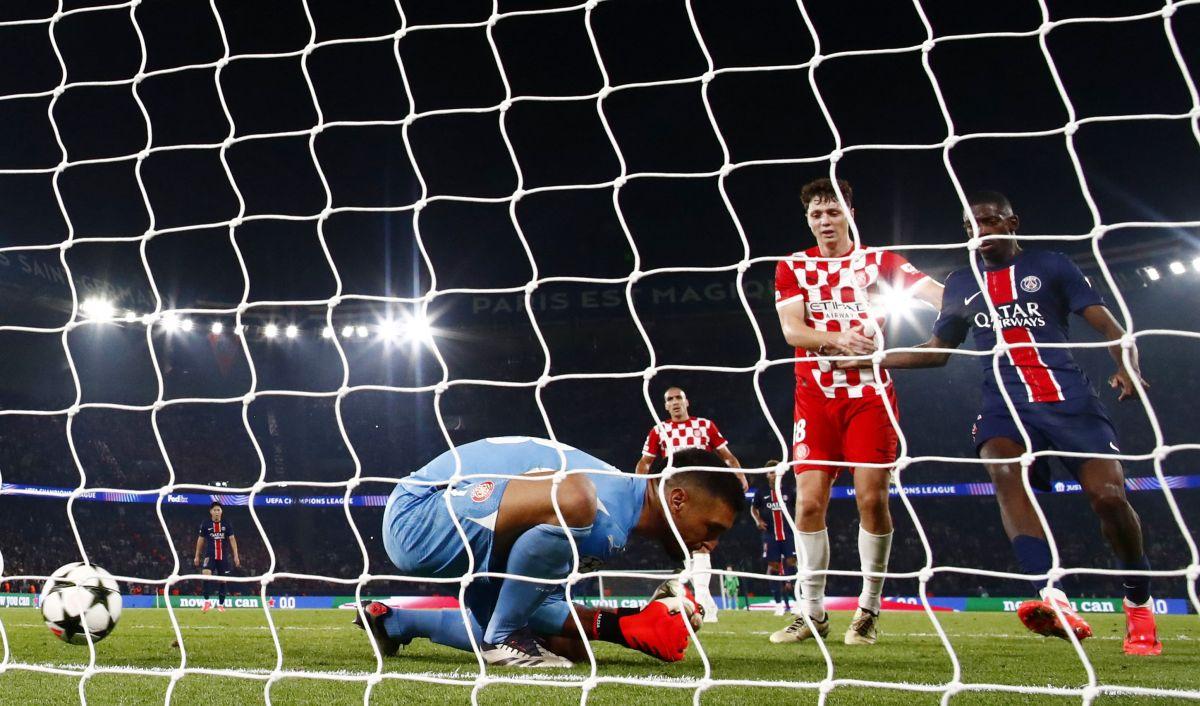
[421,539]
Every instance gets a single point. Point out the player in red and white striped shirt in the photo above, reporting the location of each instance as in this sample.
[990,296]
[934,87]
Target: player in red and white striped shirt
[683,431]
[833,299]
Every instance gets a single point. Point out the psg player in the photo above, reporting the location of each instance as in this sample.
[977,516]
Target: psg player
[216,541]
[833,299]
[779,542]
[1034,293]
[683,431]
[508,514]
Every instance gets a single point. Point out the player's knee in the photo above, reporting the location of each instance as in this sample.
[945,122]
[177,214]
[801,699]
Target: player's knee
[577,501]
[1108,501]
[873,504]
[1004,475]
[811,508]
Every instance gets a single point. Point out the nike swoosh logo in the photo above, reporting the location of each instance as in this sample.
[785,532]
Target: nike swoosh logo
[967,301]
[1113,446]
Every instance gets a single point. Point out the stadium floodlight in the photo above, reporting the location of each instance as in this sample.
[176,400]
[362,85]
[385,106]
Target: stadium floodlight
[389,329]
[420,329]
[1196,264]
[186,325]
[291,331]
[1177,268]
[270,331]
[98,309]
[361,331]
[131,316]
[896,303]
[347,331]
[170,323]
[216,328]
[1152,274]
[327,332]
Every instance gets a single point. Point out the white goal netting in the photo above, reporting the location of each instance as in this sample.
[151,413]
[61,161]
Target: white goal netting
[246,313]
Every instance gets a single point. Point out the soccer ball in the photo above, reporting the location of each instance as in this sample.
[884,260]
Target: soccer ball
[81,596]
[677,597]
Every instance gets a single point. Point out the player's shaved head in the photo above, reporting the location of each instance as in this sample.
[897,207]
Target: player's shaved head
[991,198]
[822,190]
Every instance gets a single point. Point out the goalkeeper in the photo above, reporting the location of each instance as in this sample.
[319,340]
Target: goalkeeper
[509,518]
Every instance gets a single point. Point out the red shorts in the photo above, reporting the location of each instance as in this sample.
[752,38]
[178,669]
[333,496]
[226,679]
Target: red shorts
[854,430]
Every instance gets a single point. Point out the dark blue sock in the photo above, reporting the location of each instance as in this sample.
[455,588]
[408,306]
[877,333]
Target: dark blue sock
[445,627]
[787,596]
[1137,588]
[1033,556]
[777,591]
[204,585]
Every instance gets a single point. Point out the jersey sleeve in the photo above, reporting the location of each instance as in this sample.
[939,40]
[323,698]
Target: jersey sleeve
[1074,287]
[897,270]
[229,531]
[952,323]
[787,287]
[202,533]
[715,440]
[650,448]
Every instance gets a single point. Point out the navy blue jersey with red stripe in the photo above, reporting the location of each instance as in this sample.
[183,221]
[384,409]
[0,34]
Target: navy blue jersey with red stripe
[772,507]
[1034,294]
[216,537]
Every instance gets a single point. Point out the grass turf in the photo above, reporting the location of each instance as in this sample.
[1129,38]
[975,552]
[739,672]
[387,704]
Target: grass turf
[991,648]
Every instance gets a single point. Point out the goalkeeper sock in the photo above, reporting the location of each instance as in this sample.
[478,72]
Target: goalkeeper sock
[542,552]
[444,627]
[1033,556]
[815,547]
[1137,588]
[873,553]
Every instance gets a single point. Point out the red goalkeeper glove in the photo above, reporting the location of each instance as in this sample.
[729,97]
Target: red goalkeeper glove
[658,629]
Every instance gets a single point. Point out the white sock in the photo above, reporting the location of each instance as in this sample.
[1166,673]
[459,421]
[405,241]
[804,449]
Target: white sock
[873,553]
[814,548]
[701,578]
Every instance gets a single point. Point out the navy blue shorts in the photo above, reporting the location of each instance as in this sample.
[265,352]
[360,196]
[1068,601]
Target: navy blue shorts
[778,549]
[217,566]
[1084,429]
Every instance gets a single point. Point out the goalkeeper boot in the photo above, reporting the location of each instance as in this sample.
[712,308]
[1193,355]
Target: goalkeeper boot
[375,612]
[522,649]
[1141,634]
[864,629]
[799,631]
[1040,616]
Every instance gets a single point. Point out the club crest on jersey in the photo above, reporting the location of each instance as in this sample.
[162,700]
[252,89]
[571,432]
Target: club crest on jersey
[483,491]
[801,451]
[1031,283]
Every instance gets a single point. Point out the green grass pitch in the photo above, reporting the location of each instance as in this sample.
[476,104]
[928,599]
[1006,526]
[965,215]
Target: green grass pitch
[992,647]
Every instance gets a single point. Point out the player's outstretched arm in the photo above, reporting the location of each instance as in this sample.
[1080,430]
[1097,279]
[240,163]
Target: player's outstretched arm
[930,291]
[1100,318]
[895,360]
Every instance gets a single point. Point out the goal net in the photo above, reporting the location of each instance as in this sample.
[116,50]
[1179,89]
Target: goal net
[284,253]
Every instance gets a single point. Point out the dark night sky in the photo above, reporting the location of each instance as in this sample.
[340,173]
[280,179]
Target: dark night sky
[1136,170]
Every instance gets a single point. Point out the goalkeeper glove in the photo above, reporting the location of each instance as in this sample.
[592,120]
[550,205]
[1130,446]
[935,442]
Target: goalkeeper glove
[658,629]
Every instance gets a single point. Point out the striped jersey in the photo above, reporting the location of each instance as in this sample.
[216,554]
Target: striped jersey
[691,433]
[772,507]
[215,535]
[1034,295]
[841,294]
